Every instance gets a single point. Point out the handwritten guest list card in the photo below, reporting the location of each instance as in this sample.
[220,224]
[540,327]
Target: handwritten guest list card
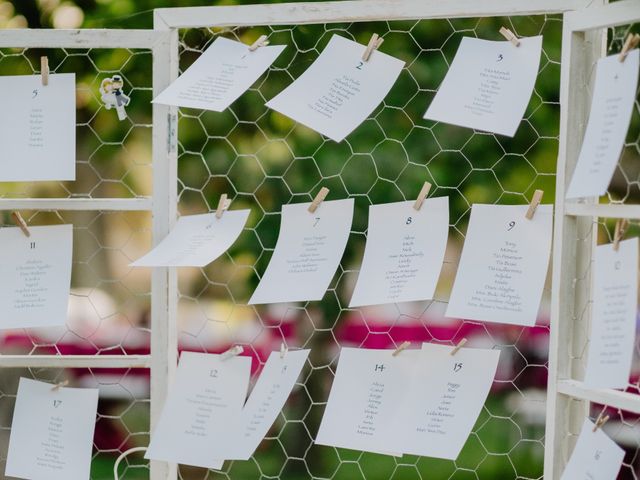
[219,76]
[367,390]
[307,253]
[267,398]
[35,273]
[38,128]
[203,404]
[444,400]
[595,456]
[52,432]
[614,95]
[488,85]
[196,240]
[404,252]
[339,90]
[503,266]
[613,323]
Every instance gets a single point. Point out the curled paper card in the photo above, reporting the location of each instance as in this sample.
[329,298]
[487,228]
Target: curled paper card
[219,76]
[339,90]
[611,107]
[196,240]
[488,85]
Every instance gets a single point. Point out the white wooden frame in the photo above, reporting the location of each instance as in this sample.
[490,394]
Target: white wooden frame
[571,219]
[162,205]
[583,43]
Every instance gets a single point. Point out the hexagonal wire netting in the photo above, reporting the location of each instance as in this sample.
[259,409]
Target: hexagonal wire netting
[263,160]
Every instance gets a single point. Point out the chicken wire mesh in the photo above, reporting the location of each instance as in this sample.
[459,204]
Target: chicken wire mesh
[263,160]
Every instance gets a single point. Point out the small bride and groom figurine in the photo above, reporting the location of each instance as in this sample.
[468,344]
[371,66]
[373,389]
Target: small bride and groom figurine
[113,97]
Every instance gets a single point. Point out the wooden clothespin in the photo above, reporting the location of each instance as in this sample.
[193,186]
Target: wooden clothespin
[59,385]
[401,347]
[509,35]
[283,350]
[621,228]
[322,194]
[422,196]
[232,352]
[44,70]
[260,42]
[535,201]
[374,44]
[630,43]
[600,421]
[19,221]
[223,204]
[460,344]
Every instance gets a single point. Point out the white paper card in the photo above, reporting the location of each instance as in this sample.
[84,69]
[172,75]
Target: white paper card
[503,266]
[219,76]
[367,391]
[444,400]
[267,398]
[613,321]
[196,240]
[35,273]
[488,85]
[307,253]
[52,432]
[595,456]
[204,403]
[404,252]
[614,95]
[339,90]
[38,128]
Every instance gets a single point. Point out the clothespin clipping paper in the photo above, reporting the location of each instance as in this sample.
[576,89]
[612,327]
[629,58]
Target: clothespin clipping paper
[223,204]
[260,42]
[401,347]
[621,228]
[322,194]
[44,70]
[374,44]
[59,385]
[630,43]
[19,221]
[460,344]
[232,352]
[535,201]
[600,421]
[422,196]
[509,35]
